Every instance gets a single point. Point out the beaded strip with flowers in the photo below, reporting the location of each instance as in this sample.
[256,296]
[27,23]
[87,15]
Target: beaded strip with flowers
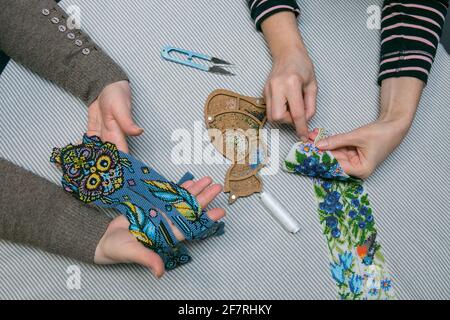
[357,263]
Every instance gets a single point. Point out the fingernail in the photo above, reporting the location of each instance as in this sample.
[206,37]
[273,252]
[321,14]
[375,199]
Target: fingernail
[157,276]
[322,144]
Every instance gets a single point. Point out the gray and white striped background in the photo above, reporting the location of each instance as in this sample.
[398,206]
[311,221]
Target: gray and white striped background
[255,259]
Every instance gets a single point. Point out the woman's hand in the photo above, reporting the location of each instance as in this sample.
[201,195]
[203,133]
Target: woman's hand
[291,89]
[361,151]
[110,116]
[118,245]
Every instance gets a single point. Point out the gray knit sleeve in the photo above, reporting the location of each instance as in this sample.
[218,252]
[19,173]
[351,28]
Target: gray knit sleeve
[35,212]
[36,33]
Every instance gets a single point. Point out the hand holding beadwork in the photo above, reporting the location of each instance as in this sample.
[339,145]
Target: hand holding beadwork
[118,245]
[160,214]
[362,150]
[110,115]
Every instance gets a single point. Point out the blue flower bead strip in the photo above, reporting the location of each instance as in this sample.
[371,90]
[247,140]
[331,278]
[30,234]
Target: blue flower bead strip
[96,172]
[357,263]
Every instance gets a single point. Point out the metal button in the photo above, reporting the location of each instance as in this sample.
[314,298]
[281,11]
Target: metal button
[71,36]
[55,20]
[86,51]
[45,12]
[78,42]
[62,28]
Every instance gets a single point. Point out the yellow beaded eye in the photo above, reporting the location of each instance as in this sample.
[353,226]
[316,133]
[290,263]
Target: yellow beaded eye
[93,181]
[103,163]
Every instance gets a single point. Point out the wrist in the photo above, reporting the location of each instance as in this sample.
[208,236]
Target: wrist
[283,36]
[289,52]
[400,98]
[100,257]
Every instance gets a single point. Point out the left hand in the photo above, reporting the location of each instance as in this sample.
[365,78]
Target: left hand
[361,151]
[118,245]
[110,116]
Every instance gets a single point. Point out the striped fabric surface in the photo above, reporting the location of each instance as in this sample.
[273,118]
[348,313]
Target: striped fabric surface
[255,259]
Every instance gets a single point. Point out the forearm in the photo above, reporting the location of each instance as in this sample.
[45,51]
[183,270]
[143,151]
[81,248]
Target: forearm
[38,213]
[35,34]
[283,35]
[400,98]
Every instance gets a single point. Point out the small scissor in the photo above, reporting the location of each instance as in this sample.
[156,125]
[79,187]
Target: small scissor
[218,66]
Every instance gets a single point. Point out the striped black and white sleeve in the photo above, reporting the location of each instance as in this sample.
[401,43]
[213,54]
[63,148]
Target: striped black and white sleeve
[410,34]
[263,9]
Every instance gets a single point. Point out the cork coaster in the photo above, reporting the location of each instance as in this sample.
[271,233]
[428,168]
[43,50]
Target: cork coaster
[234,123]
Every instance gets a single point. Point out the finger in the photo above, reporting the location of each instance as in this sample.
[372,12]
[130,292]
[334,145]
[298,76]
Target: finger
[95,122]
[313,134]
[147,258]
[279,102]
[114,135]
[268,98]
[352,170]
[286,118]
[216,214]
[338,141]
[199,186]
[188,184]
[297,109]
[209,194]
[125,120]
[176,232]
[279,106]
[346,166]
[310,96]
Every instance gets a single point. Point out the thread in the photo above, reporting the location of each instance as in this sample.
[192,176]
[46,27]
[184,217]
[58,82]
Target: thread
[280,213]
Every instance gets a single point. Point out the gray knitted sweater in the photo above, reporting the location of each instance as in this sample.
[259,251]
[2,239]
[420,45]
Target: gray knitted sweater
[33,211]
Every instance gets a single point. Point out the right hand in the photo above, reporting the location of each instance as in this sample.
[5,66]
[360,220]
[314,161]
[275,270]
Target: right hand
[291,91]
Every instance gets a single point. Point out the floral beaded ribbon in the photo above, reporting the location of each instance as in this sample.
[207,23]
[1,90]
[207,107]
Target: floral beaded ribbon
[357,263]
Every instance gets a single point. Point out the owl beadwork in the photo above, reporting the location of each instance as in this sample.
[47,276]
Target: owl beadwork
[97,172]
[92,170]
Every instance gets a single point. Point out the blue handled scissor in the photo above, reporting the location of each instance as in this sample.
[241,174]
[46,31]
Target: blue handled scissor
[216,68]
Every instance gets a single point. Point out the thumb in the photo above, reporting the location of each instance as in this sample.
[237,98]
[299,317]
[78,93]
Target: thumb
[338,141]
[125,120]
[147,258]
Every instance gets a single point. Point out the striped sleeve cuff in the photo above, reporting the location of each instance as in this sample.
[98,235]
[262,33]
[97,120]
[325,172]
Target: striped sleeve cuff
[263,9]
[410,34]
